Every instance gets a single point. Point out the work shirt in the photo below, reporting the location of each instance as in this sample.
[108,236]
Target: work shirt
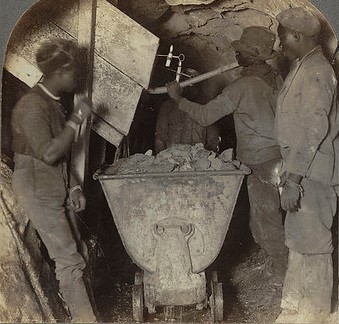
[252,100]
[36,120]
[41,190]
[307,121]
[176,127]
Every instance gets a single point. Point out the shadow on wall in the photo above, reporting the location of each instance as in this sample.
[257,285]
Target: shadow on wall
[12,90]
[203,34]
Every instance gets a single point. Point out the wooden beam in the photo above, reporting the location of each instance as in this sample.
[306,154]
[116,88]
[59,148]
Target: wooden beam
[86,39]
[22,69]
[106,130]
[125,44]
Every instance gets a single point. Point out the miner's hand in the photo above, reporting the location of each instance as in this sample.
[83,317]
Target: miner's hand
[174,90]
[290,198]
[82,110]
[77,200]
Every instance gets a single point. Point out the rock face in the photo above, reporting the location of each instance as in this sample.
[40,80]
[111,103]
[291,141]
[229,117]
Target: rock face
[188,2]
[28,289]
[203,31]
[179,157]
[18,302]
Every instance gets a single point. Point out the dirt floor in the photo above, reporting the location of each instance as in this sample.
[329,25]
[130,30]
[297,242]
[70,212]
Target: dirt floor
[249,294]
[248,297]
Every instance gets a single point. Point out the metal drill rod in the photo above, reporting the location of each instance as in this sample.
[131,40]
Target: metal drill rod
[199,78]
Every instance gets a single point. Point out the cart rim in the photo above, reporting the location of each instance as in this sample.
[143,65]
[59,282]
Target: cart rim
[100,175]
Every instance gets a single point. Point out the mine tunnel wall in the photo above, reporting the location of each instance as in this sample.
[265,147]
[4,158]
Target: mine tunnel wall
[204,34]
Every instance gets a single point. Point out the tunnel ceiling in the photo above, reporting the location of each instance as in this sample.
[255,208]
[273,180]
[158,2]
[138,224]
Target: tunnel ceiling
[188,2]
[204,31]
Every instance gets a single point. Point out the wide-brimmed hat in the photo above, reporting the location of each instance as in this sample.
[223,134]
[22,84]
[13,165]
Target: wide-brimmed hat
[256,41]
[300,20]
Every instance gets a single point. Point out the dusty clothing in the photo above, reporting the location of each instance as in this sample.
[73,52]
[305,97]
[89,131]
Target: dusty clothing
[252,100]
[266,220]
[176,127]
[308,285]
[307,128]
[307,120]
[36,119]
[42,190]
[308,230]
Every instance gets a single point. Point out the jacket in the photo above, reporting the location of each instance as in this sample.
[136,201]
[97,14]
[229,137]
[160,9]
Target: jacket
[252,100]
[36,119]
[307,121]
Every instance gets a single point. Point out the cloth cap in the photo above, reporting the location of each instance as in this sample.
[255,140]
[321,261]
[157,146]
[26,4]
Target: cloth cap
[57,53]
[256,41]
[300,20]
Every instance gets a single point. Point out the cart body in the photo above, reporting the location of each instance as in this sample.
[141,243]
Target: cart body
[173,226]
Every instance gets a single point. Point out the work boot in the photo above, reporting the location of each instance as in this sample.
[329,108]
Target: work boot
[275,269]
[78,302]
[279,265]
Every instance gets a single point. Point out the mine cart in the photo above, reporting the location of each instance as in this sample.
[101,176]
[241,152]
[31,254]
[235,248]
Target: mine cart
[173,226]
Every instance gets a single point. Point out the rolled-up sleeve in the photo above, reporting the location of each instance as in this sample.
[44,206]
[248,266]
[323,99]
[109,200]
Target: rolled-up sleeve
[211,112]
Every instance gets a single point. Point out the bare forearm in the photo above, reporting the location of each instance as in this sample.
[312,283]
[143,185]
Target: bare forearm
[59,145]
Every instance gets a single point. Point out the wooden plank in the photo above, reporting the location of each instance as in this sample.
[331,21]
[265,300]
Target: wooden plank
[115,96]
[86,26]
[125,44]
[26,40]
[32,30]
[43,22]
[22,69]
[107,131]
[65,15]
[115,92]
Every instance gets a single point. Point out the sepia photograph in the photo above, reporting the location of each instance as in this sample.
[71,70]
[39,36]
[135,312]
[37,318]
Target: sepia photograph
[169,161]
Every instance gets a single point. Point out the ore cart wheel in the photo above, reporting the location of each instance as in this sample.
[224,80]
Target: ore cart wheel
[217,302]
[214,276]
[138,303]
[138,278]
[173,313]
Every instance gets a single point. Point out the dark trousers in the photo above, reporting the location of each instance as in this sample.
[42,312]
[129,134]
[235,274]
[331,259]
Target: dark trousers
[266,219]
[47,214]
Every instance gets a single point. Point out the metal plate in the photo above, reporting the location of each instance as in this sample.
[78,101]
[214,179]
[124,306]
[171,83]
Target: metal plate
[139,204]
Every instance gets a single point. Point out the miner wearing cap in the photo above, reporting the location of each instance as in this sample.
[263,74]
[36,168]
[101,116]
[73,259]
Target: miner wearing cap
[176,127]
[42,137]
[307,131]
[252,101]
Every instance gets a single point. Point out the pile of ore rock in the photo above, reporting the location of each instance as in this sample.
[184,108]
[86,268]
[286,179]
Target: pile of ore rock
[179,157]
